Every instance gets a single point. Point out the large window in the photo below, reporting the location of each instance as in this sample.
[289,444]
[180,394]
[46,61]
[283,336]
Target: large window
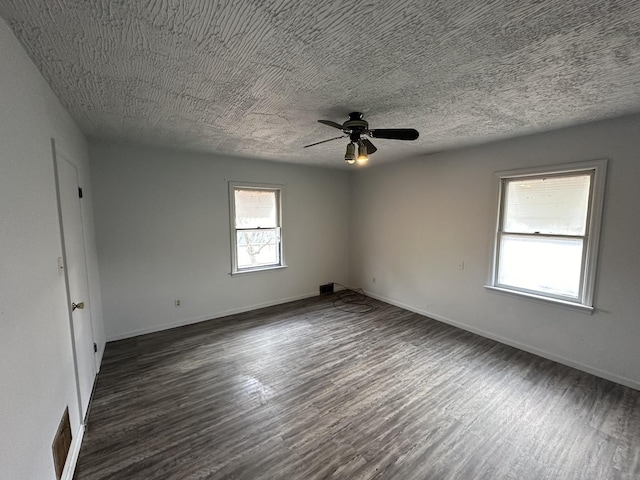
[548,228]
[256,227]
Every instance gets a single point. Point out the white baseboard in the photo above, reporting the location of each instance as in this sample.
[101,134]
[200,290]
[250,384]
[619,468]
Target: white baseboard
[521,346]
[72,457]
[190,321]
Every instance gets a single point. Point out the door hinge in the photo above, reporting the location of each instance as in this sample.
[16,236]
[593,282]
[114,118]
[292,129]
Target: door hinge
[80,192]
[95,347]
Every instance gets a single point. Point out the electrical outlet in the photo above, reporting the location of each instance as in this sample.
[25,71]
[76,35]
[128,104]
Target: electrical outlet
[177,303]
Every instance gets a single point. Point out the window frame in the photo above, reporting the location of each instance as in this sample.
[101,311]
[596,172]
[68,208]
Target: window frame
[278,189]
[597,169]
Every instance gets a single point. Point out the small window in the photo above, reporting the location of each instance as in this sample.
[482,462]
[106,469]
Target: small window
[548,228]
[256,227]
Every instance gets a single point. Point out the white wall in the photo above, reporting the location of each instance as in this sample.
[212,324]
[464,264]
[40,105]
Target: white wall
[413,222]
[162,222]
[36,364]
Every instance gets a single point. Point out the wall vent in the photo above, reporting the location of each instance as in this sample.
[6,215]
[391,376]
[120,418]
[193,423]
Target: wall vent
[62,443]
[326,288]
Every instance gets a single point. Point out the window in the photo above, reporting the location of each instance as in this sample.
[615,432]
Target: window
[548,228]
[256,223]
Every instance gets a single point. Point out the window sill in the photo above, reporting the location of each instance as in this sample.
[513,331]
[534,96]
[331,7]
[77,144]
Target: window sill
[257,269]
[553,301]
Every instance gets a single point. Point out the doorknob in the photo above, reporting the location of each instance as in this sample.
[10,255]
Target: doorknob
[77,305]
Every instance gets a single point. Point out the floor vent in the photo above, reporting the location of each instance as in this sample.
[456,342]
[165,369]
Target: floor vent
[327,288]
[62,443]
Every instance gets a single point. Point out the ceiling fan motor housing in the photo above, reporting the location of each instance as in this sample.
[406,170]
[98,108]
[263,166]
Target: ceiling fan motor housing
[355,126]
[356,123]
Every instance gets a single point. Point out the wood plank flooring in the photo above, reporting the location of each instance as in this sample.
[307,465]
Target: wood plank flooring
[306,391]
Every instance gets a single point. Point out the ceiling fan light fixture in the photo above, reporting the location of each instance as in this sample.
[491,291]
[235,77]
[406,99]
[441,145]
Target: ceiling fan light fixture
[362,154]
[350,155]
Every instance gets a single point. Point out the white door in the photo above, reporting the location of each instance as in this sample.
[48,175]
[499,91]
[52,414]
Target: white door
[76,277]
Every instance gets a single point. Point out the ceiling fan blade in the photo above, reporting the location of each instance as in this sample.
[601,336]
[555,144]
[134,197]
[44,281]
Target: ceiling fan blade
[371,148]
[395,133]
[323,141]
[331,124]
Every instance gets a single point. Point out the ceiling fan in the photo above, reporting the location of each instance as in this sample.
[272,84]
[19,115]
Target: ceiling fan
[357,130]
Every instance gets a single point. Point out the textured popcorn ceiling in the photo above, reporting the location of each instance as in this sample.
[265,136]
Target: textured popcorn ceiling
[251,77]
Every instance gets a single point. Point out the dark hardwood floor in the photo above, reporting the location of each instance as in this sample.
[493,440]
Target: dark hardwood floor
[307,391]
